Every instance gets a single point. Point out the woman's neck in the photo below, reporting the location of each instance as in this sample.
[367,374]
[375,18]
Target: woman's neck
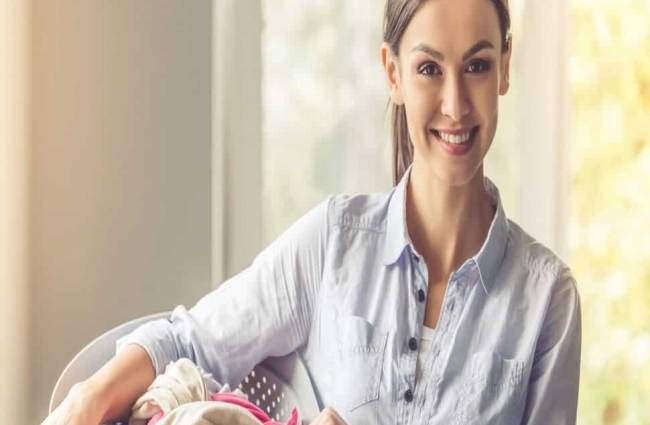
[447,224]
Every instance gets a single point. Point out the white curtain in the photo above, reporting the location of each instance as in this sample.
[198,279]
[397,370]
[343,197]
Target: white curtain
[540,78]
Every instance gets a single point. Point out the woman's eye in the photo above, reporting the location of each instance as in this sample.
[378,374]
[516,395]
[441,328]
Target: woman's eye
[479,65]
[429,69]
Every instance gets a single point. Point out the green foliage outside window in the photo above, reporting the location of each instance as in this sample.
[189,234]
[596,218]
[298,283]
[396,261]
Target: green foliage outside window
[610,205]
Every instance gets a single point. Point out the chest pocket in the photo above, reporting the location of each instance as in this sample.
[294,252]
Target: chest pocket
[491,392]
[355,350]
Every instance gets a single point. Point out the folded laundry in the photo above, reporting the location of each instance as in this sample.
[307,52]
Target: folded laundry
[186,395]
[182,382]
[224,391]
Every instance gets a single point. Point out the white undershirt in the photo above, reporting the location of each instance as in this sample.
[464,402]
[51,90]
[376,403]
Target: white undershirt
[425,342]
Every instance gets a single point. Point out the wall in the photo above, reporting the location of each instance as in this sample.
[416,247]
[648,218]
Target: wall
[119,170]
[14,133]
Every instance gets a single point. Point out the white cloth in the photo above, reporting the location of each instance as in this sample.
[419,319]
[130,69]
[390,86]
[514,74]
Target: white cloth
[425,343]
[183,382]
[209,413]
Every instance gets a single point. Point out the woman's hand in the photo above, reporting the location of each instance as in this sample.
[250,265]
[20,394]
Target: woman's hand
[82,406]
[328,417]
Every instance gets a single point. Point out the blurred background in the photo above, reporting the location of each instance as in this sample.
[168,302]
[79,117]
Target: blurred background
[149,149]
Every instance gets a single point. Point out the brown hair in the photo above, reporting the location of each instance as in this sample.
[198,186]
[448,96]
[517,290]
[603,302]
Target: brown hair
[397,15]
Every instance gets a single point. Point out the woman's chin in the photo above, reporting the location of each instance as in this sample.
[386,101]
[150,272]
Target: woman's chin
[456,175]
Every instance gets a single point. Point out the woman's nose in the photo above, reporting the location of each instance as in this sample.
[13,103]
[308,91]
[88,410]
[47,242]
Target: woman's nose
[454,101]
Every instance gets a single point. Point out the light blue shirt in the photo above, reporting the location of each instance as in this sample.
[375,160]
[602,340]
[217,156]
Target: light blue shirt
[343,286]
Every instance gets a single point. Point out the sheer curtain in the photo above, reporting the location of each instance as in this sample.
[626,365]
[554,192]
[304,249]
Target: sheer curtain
[542,123]
[324,99]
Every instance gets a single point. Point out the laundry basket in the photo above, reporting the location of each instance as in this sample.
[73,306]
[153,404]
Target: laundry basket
[276,385]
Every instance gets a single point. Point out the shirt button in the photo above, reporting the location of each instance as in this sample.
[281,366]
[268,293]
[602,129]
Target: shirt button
[421,295]
[413,344]
[408,395]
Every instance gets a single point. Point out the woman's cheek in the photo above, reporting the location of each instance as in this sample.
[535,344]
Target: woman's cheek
[423,103]
[484,102]
[419,119]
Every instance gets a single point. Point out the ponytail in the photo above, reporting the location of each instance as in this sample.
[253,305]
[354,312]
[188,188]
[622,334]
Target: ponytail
[402,145]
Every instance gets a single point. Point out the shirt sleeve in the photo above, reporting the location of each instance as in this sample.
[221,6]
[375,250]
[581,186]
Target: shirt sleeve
[553,388]
[265,310]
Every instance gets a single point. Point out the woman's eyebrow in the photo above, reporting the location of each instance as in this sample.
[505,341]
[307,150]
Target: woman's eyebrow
[483,44]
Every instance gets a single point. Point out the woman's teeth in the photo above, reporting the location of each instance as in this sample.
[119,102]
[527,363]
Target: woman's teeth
[455,139]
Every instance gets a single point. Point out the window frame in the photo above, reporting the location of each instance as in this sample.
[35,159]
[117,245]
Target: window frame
[236,136]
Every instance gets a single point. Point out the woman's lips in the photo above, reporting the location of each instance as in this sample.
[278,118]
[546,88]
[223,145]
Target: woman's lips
[456,142]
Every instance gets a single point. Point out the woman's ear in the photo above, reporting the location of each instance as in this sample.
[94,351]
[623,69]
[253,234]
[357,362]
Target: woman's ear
[391,67]
[504,79]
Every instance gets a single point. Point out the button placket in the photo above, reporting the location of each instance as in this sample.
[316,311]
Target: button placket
[442,337]
[419,276]
[444,341]
[456,295]
[412,343]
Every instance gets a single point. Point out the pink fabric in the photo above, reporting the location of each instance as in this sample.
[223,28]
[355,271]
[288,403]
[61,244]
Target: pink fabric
[255,410]
[241,402]
[155,418]
[293,419]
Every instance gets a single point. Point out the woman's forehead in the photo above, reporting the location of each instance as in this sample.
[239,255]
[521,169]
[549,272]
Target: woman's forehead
[452,26]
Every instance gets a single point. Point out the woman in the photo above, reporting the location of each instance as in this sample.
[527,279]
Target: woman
[423,305]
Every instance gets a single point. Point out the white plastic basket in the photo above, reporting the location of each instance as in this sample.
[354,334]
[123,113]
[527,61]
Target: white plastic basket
[270,393]
[276,385]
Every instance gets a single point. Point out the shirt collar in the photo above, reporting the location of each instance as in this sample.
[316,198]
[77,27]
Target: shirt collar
[397,238]
[489,257]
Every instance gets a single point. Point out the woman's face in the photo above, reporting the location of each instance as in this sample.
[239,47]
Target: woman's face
[449,74]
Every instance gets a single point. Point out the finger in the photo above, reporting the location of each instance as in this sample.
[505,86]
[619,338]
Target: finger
[338,418]
[329,416]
